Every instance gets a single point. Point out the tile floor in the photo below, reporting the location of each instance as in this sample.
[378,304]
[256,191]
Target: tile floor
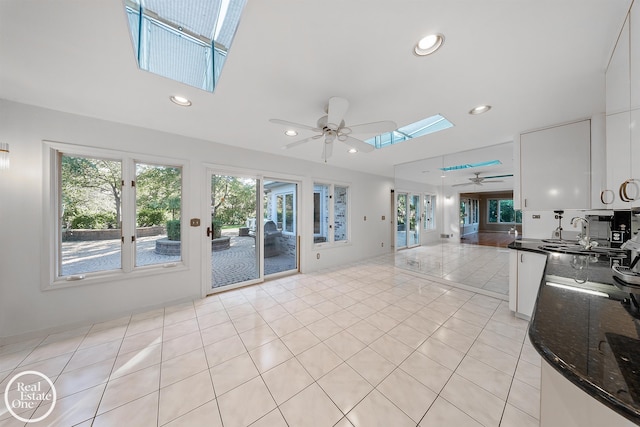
[366,344]
[481,267]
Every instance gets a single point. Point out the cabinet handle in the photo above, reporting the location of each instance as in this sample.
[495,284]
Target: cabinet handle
[521,257]
[605,192]
[624,195]
[525,203]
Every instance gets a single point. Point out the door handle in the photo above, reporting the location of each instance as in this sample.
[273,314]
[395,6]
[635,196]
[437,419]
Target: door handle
[210,232]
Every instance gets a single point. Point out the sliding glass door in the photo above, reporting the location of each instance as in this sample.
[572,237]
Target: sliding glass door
[234,231]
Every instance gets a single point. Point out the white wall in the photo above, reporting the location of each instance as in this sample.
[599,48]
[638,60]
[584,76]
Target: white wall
[24,307]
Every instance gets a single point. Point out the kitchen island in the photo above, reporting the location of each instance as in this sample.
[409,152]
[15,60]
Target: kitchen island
[589,342]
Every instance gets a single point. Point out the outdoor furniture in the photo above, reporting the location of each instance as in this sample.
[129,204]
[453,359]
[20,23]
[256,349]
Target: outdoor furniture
[271,239]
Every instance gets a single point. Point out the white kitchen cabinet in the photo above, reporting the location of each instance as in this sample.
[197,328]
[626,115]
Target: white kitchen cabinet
[618,164]
[634,55]
[617,77]
[525,274]
[555,167]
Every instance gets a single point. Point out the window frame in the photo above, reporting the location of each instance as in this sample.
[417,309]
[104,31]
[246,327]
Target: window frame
[428,212]
[52,225]
[283,194]
[329,229]
[515,212]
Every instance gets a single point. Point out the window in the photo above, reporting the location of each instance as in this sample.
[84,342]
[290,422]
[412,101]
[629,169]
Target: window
[112,213]
[429,215]
[330,213]
[501,211]
[412,130]
[89,214]
[187,42]
[469,211]
[285,212]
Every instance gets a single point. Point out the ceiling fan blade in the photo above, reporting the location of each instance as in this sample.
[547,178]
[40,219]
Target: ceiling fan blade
[294,125]
[336,110]
[296,143]
[357,144]
[327,150]
[498,180]
[375,127]
[498,176]
[460,185]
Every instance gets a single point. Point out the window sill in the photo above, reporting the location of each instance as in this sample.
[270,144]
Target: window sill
[97,278]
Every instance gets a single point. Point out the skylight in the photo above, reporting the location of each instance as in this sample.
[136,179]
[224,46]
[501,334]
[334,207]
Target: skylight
[413,130]
[184,40]
[471,165]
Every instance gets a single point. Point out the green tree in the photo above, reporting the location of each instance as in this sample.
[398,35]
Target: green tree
[86,182]
[233,199]
[158,188]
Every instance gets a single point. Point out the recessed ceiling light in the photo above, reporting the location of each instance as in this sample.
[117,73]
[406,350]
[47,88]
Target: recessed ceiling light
[429,44]
[352,150]
[480,109]
[180,100]
[290,132]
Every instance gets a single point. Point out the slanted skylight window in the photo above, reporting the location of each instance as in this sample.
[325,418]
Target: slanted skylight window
[413,130]
[471,165]
[184,40]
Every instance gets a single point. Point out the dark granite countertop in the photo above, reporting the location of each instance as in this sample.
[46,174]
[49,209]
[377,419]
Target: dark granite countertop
[591,339]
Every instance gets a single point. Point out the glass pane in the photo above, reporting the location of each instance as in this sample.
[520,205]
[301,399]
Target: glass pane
[158,203]
[493,210]
[320,213]
[507,214]
[234,258]
[414,217]
[90,199]
[280,245]
[401,219]
[340,214]
[288,218]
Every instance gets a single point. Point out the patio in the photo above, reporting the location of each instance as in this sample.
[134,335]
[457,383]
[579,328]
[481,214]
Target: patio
[233,265]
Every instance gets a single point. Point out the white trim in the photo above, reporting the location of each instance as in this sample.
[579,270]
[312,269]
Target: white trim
[51,249]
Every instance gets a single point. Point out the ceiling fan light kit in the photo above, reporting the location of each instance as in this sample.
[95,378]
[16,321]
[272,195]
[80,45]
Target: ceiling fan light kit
[332,126]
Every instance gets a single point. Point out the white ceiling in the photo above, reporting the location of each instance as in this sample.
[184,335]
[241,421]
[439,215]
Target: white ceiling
[537,62]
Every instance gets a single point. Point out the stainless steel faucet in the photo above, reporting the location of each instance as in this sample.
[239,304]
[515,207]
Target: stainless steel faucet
[584,239]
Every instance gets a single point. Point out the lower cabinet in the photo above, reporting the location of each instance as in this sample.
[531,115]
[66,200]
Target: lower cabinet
[525,274]
[562,403]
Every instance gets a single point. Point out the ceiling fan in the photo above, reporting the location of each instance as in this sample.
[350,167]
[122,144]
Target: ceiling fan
[331,126]
[479,180]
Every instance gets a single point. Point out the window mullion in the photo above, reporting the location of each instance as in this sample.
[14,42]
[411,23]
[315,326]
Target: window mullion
[128,215]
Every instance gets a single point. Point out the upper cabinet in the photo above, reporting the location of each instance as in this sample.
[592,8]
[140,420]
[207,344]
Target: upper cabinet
[623,117]
[555,167]
[617,80]
[634,55]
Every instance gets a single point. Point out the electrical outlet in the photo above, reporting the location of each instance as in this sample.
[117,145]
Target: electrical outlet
[383,217]
[382,244]
[318,255]
[365,217]
[195,222]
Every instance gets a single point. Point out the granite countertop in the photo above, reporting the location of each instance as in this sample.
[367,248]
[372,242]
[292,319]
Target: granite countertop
[591,339]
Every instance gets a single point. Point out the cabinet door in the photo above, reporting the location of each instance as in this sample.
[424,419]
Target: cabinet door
[618,155]
[530,271]
[634,150]
[514,258]
[555,167]
[634,55]
[617,77]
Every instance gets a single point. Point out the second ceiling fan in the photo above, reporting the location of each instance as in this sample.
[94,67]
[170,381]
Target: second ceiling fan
[332,126]
[479,180]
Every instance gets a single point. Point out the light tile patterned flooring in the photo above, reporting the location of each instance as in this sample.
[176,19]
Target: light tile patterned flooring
[361,345]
